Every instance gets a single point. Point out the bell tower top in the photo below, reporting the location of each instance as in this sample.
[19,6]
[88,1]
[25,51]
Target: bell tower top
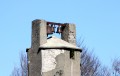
[53,56]
[41,29]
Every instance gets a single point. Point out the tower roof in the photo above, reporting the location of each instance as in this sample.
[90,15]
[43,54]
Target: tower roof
[57,43]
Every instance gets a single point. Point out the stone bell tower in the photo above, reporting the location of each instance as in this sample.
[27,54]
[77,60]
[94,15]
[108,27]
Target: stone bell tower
[52,56]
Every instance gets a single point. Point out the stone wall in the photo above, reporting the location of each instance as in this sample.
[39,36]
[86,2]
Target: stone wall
[39,37]
[52,62]
[69,34]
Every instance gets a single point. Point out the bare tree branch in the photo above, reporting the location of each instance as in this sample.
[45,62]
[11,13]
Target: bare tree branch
[22,70]
[116,67]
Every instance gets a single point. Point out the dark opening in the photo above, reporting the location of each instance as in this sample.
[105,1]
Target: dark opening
[72,54]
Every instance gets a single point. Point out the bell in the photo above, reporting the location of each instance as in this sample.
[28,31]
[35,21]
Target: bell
[59,30]
[49,30]
[52,28]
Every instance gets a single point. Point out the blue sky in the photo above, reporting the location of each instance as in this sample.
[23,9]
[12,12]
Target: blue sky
[97,21]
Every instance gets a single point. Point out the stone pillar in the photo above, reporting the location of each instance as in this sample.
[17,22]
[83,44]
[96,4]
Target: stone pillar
[73,67]
[39,33]
[39,37]
[69,34]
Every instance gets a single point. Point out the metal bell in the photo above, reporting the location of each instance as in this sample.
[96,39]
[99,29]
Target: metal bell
[59,30]
[53,28]
[49,30]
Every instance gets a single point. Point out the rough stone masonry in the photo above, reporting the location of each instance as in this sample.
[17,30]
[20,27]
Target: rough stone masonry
[53,56]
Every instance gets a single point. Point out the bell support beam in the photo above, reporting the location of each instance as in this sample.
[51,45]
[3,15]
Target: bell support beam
[59,24]
[51,29]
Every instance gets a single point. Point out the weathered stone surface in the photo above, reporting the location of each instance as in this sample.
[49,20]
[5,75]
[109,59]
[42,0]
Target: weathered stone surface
[48,57]
[69,34]
[39,37]
[39,33]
